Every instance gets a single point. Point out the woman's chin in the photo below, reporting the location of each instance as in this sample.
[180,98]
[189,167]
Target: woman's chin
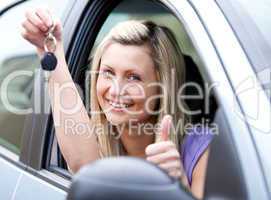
[116,119]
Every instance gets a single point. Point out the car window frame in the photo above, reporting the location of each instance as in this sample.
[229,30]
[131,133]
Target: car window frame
[95,8]
[81,61]
[75,74]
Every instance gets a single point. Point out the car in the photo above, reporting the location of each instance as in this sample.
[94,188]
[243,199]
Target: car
[226,44]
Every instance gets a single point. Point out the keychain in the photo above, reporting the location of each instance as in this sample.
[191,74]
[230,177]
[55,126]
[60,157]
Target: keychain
[49,60]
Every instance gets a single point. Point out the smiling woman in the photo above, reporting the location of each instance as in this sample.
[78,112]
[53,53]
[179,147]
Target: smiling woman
[132,72]
[127,91]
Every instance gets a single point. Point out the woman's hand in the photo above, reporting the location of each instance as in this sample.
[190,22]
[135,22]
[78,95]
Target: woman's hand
[165,153]
[36,26]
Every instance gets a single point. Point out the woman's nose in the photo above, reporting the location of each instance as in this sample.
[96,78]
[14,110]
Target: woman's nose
[116,88]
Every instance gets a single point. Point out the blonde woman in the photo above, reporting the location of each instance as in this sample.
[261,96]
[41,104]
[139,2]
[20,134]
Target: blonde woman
[131,88]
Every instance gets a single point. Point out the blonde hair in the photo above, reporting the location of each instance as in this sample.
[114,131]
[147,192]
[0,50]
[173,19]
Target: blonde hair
[169,63]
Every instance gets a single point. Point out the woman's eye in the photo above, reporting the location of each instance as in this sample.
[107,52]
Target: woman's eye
[134,77]
[107,73]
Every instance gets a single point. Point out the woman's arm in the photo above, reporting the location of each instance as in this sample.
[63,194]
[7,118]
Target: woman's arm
[198,176]
[78,146]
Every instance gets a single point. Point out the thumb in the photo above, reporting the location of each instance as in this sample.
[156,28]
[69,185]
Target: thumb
[165,127]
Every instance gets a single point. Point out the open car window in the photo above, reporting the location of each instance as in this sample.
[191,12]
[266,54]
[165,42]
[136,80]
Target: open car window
[144,10]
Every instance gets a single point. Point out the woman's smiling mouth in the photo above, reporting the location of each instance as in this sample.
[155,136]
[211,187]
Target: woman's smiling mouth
[118,105]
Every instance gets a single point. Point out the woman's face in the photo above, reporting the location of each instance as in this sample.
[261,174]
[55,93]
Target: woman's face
[124,84]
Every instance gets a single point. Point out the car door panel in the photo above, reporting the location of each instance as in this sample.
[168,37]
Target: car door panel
[9,177]
[16,183]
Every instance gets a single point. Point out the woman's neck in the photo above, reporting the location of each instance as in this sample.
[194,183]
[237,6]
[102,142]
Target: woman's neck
[135,140]
[135,145]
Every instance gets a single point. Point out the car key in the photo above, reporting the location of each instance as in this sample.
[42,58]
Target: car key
[49,60]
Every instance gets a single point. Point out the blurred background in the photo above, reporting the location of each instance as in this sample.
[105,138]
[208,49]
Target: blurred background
[17,54]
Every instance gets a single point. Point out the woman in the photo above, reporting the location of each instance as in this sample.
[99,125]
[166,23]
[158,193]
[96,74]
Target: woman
[131,87]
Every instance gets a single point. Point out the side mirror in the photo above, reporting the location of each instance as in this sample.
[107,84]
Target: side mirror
[125,178]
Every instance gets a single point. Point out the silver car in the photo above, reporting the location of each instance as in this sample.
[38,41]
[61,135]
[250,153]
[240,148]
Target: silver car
[227,45]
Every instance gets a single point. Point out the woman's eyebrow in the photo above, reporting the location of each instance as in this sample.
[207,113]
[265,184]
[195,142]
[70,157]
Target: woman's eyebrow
[130,70]
[134,71]
[106,65]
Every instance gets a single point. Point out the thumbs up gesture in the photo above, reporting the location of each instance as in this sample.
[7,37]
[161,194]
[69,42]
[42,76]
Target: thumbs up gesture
[165,153]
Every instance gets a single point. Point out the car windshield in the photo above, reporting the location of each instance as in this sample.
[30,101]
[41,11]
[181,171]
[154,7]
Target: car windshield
[252,24]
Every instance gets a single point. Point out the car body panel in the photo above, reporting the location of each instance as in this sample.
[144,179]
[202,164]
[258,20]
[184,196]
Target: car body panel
[254,103]
[209,39]
[9,179]
[16,183]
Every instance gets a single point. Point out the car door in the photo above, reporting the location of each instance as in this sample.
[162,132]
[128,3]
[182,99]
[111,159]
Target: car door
[243,56]
[18,69]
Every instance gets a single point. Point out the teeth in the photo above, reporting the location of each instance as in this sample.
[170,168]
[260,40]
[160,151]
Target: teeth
[118,105]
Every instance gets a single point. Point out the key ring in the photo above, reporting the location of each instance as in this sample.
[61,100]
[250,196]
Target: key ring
[52,27]
[49,60]
[51,40]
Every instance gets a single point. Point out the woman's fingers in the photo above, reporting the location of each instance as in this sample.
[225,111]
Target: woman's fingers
[160,147]
[175,173]
[163,157]
[171,165]
[166,156]
[32,38]
[29,27]
[36,26]
[35,20]
[162,151]
[45,16]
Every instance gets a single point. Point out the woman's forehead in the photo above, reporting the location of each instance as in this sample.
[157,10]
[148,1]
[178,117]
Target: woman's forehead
[128,57]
